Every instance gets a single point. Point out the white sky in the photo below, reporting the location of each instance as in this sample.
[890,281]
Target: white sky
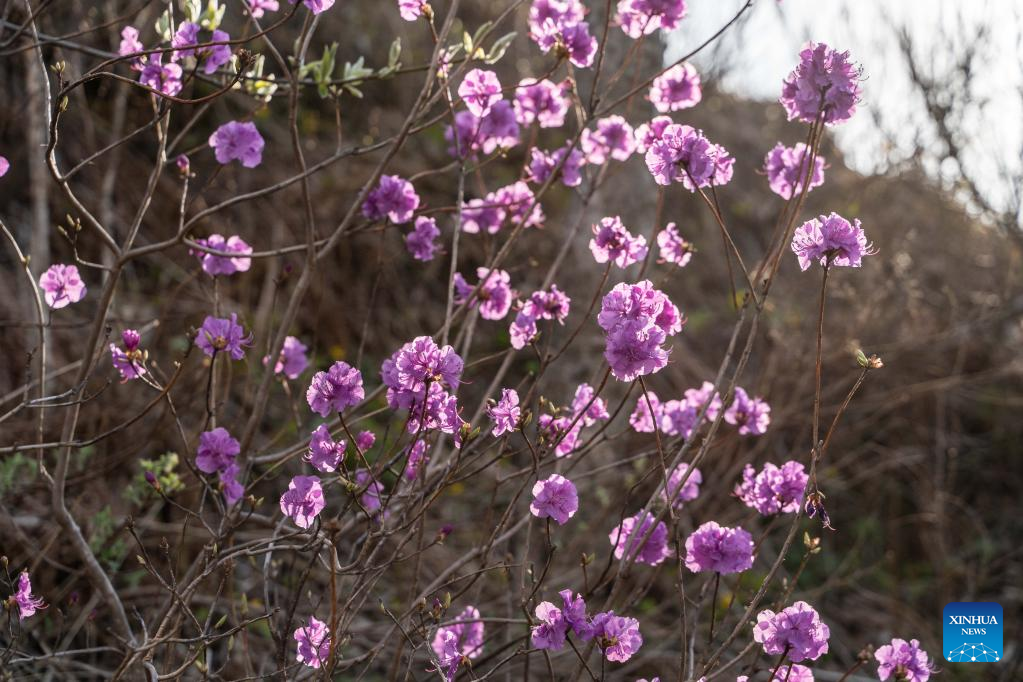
[765,48]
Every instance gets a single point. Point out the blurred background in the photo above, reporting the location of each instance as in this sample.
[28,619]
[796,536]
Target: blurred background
[924,476]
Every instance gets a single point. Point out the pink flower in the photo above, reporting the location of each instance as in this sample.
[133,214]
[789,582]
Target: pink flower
[550,633]
[229,484]
[751,415]
[316,6]
[612,241]
[165,78]
[565,163]
[324,452]
[673,248]
[217,450]
[421,241]
[648,133]
[597,410]
[541,101]
[62,285]
[292,361]
[223,265]
[130,362]
[613,138]
[643,17]
[26,602]
[463,638]
[617,637]
[259,7]
[642,419]
[630,538]
[393,198]
[303,500]
[786,167]
[494,296]
[825,80]
[364,440]
[313,643]
[130,44]
[796,630]
[719,549]
[522,330]
[903,660]
[680,493]
[675,89]
[554,497]
[417,458]
[774,489]
[832,241]
[505,414]
[221,334]
[480,90]
[238,141]
[335,390]
[411,10]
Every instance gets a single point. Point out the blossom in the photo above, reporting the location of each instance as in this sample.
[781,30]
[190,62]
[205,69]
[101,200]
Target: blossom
[232,488]
[792,673]
[494,295]
[824,81]
[681,493]
[774,489]
[421,241]
[372,490]
[480,89]
[238,141]
[316,6]
[558,24]
[223,334]
[292,361]
[464,637]
[675,89]
[498,129]
[303,500]
[216,56]
[797,630]
[648,133]
[903,660]
[184,165]
[541,101]
[419,361]
[550,633]
[630,537]
[613,138]
[313,643]
[700,397]
[27,602]
[324,452]
[565,163]
[130,362]
[520,204]
[591,407]
[678,418]
[616,636]
[335,390]
[505,414]
[634,350]
[673,248]
[683,154]
[130,44]
[393,198]
[751,415]
[258,7]
[642,17]
[165,78]
[411,10]
[642,419]
[554,497]
[718,548]
[184,39]
[548,305]
[217,450]
[522,330]
[637,319]
[417,458]
[364,440]
[223,265]
[612,241]
[786,167]
[830,240]
[561,432]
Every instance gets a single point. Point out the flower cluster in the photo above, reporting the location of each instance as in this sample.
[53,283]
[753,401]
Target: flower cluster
[682,154]
[418,377]
[542,102]
[223,265]
[559,25]
[421,241]
[774,489]
[313,643]
[716,548]
[292,361]
[613,242]
[824,83]
[617,637]
[906,661]
[324,452]
[216,455]
[642,17]
[131,361]
[223,335]
[674,417]
[303,500]
[62,286]
[796,630]
[23,598]
[683,485]
[470,134]
[394,198]
[461,640]
[830,240]
[637,319]
[673,248]
[494,296]
[751,415]
[554,497]
[335,390]
[505,413]
[564,163]
[675,89]
[788,167]
[238,141]
[633,538]
[613,138]
[541,305]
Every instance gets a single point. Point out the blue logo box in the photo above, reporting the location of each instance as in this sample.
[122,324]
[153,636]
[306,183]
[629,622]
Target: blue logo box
[972,632]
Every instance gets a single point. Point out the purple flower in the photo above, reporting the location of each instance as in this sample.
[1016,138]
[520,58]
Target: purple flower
[238,141]
[233,489]
[27,603]
[698,397]
[217,450]
[505,414]
[554,497]
[394,198]
[648,133]
[787,166]
[673,248]
[550,633]
[830,240]
[480,90]
[630,538]
[641,419]
[639,302]
[643,17]
[719,549]
[905,660]
[303,500]
[612,241]
[165,78]
[520,204]
[597,410]
[130,44]
[364,440]
[574,41]
[219,334]
[793,673]
[522,330]
[683,154]
[573,610]
[797,630]
[258,7]
[184,38]
[774,489]
[316,6]
[613,138]
[541,101]
[559,431]
[184,165]
[372,490]
[468,637]
[494,296]
[559,24]
[417,458]
[482,215]
[681,493]
[634,350]
[335,390]
[617,637]
[825,81]
[5,166]
[223,265]
[130,362]
[542,164]
[421,241]
[678,418]
[675,89]
[216,55]
[325,454]
[292,361]
[498,129]
[411,10]
[313,643]
[419,361]
[751,415]
[548,305]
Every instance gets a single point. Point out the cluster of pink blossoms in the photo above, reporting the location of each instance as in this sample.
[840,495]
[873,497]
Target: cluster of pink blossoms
[675,89]
[773,490]
[23,598]
[130,362]
[494,296]
[223,335]
[679,417]
[788,167]
[681,153]
[797,630]
[716,548]
[214,264]
[824,83]
[541,305]
[515,203]
[420,377]
[562,432]
[560,25]
[642,17]
[62,286]
[637,319]
[393,198]
[830,240]
[617,637]
[542,102]
[555,497]
[216,455]
[238,141]
[613,242]
[461,640]
[292,360]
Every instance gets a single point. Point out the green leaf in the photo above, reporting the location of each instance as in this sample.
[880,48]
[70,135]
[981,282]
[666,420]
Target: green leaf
[394,54]
[499,47]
